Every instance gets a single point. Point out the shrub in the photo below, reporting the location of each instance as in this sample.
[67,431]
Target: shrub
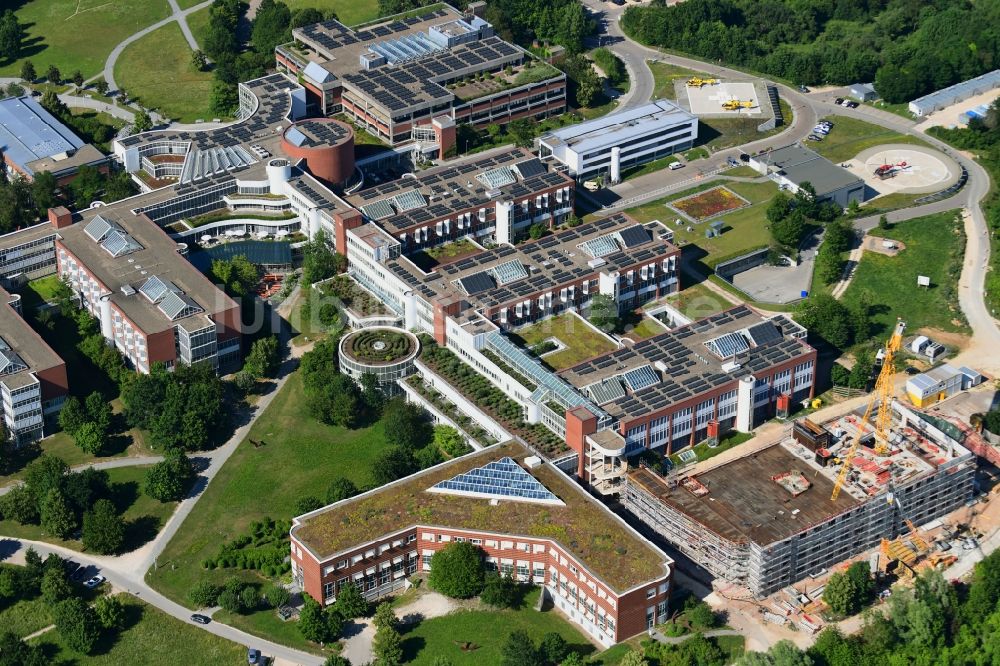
[204,594]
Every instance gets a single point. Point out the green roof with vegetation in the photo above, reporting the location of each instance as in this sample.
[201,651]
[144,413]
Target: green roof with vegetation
[604,545]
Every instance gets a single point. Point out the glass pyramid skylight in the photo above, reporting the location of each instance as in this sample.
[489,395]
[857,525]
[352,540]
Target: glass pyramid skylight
[501,479]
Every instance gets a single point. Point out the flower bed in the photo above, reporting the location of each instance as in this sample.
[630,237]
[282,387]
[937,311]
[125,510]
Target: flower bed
[710,203]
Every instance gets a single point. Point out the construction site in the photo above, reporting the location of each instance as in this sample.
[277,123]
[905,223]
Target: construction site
[823,494]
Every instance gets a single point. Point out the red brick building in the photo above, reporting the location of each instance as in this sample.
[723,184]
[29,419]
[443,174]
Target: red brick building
[598,571]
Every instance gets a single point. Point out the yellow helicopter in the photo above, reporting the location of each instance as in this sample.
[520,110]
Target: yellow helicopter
[737,104]
[698,82]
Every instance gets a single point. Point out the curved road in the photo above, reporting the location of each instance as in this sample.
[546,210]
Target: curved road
[808,108]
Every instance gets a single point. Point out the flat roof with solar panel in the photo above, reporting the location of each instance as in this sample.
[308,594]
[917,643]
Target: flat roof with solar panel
[688,361]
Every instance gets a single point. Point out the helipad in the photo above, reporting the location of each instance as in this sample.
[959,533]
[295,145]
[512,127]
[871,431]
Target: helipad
[911,169]
[708,100]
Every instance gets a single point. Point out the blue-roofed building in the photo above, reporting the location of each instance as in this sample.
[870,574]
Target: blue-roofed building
[33,140]
[628,138]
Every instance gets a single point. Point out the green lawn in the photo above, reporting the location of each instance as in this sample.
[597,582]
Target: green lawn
[25,617]
[934,247]
[198,22]
[704,451]
[646,328]
[664,76]
[151,638]
[298,458]
[78,34]
[745,171]
[349,12]
[582,342]
[744,229]
[901,109]
[696,302]
[143,515]
[437,637]
[157,71]
[850,136]
[649,167]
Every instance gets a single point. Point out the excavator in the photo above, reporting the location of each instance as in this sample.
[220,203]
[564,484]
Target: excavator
[737,104]
[881,396]
[698,82]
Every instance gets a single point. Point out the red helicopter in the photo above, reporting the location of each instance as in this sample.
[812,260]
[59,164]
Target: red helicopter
[890,170]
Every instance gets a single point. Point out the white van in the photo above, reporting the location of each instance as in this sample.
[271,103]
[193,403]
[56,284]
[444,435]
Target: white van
[674,166]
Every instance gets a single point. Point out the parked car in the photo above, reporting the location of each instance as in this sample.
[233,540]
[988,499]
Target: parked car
[674,166]
[200,619]
[852,105]
[95,581]
[838,101]
[253,656]
[813,137]
[732,162]
[803,89]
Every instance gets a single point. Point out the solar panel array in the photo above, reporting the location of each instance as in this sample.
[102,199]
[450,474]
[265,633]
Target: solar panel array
[634,236]
[641,377]
[729,345]
[688,372]
[332,35]
[528,168]
[319,133]
[500,479]
[477,283]
[763,333]
[378,210]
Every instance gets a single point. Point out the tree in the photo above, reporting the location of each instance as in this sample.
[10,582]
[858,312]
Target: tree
[204,594]
[198,60]
[450,441]
[271,26]
[312,621]
[56,586]
[319,261]
[307,504]
[553,648]
[371,390]
[519,650]
[15,652]
[336,660]
[633,658]
[826,317]
[77,79]
[45,473]
[28,72]
[72,416]
[306,16]
[522,132]
[340,489]
[103,528]
[110,611]
[387,646]
[237,275]
[699,614]
[101,86]
[98,411]
[87,186]
[20,505]
[56,514]
[842,594]
[11,35]
[53,75]
[537,230]
[787,653]
[392,464]
[14,89]
[457,570]
[385,616]
[262,360]
[499,591]
[170,479]
[277,595]
[350,602]
[230,600]
[89,437]
[249,599]
[142,122]
[788,230]
[406,425]
[77,625]
[604,313]
[883,223]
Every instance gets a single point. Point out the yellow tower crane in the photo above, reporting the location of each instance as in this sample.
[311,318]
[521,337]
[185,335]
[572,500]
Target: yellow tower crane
[882,395]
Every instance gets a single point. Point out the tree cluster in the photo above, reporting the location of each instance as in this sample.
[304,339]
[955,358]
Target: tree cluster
[170,479]
[262,548]
[848,592]
[520,650]
[87,422]
[323,625]
[237,276]
[81,626]
[319,261]
[181,409]
[261,362]
[830,258]
[906,48]
[62,501]
[584,83]
[838,324]
[612,66]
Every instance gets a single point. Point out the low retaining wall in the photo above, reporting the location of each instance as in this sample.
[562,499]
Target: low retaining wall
[727,269]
